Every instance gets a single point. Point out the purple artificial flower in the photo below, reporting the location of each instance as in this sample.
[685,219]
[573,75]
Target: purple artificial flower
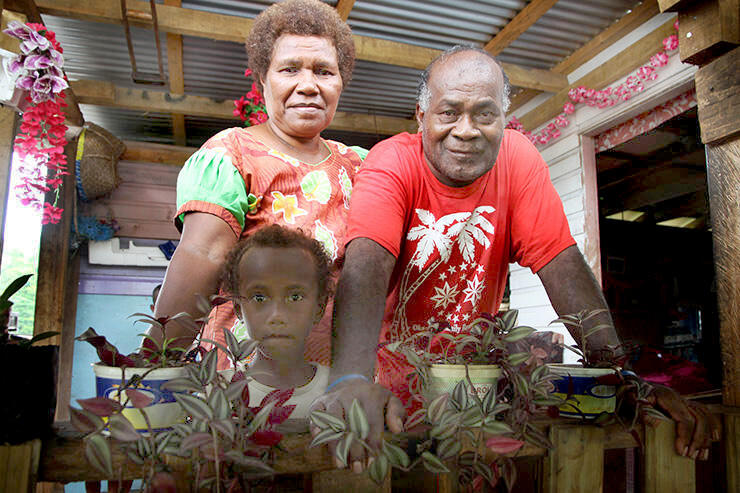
[16,65]
[18,30]
[41,89]
[25,82]
[36,62]
[56,58]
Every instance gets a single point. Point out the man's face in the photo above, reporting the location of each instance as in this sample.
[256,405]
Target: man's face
[463,126]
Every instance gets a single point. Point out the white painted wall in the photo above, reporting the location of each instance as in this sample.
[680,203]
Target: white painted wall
[566,166]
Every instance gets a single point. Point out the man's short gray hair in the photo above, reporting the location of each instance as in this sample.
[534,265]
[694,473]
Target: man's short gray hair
[424,96]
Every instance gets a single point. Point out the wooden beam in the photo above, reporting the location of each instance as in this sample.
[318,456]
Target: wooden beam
[177,78]
[717,93]
[520,23]
[106,94]
[344,7]
[190,22]
[616,67]
[147,152]
[673,5]
[708,29]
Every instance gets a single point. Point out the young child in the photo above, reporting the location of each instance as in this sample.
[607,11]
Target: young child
[279,280]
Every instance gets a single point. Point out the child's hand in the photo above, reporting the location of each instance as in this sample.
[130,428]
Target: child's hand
[381,407]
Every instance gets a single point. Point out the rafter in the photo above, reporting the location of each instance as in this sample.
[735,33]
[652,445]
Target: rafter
[107,94]
[344,7]
[190,22]
[629,22]
[520,23]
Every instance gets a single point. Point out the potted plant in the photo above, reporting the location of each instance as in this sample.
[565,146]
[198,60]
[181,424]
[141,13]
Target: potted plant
[146,371]
[28,410]
[469,427]
[229,445]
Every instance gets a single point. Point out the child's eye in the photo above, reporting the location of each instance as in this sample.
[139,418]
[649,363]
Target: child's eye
[295,297]
[259,298]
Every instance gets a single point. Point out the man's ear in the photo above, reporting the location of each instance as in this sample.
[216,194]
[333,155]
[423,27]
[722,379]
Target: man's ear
[419,115]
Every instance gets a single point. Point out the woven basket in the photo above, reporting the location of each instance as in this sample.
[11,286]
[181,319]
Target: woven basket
[96,166]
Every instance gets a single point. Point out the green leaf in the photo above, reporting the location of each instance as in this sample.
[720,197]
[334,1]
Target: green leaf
[182,384]
[489,400]
[597,328]
[194,406]
[518,334]
[226,427]
[195,440]
[325,420]
[378,470]
[217,401]
[232,343]
[496,428]
[449,448]
[440,432]
[432,463]
[42,336]
[98,453]
[509,318]
[261,418]
[471,418]
[437,407]
[460,395]
[517,359]
[343,448]
[234,389]
[358,420]
[121,429]
[85,421]
[15,286]
[208,367]
[237,457]
[324,436]
[396,455]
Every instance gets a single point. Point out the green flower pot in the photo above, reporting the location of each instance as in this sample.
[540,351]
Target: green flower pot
[443,378]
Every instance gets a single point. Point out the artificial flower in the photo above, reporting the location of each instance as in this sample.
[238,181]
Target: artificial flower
[670,43]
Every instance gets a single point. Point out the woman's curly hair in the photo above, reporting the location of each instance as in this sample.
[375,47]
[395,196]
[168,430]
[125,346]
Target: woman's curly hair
[276,236]
[304,18]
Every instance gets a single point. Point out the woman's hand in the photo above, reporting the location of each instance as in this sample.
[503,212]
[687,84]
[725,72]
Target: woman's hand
[381,407]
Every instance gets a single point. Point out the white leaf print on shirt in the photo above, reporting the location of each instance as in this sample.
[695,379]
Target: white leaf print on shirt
[431,236]
[472,230]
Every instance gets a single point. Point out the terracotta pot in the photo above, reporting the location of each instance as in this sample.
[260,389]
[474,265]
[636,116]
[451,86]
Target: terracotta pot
[585,397]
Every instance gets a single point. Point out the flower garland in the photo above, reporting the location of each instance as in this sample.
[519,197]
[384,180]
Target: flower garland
[40,142]
[604,98]
[251,107]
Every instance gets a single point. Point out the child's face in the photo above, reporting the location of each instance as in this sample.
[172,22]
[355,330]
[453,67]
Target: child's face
[279,298]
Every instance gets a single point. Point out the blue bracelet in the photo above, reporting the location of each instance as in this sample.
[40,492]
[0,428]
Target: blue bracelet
[346,377]
[629,373]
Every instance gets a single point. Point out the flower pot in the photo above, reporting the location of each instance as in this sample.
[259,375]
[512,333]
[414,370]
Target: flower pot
[163,411]
[443,378]
[29,392]
[585,397]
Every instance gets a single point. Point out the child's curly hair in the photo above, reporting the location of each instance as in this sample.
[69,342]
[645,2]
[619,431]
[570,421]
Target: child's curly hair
[276,236]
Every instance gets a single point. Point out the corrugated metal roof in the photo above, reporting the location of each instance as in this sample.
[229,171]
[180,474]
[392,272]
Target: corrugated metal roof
[216,68]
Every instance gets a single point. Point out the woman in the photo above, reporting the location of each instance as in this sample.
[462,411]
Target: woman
[302,55]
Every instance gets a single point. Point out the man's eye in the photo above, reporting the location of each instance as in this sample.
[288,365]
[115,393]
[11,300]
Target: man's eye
[323,71]
[290,70]
[296,297]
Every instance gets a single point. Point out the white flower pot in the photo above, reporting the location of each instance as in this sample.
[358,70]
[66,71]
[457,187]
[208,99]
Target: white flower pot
[163,412]
[443,378]
[586,398]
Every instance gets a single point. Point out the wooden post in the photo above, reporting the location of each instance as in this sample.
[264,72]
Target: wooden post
[18,467]
[664,470]
[576,462]
[346,480]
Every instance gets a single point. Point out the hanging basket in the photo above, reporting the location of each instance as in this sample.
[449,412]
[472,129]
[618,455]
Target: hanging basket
[96,165]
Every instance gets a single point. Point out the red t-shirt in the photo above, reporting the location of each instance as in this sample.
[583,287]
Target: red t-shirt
[453,245]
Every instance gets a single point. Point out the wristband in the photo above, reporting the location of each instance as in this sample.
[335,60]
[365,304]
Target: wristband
[628,373]
[346,377]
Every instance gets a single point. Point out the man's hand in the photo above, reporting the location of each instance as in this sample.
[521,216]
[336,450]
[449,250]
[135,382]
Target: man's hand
[696,427]
[381,407]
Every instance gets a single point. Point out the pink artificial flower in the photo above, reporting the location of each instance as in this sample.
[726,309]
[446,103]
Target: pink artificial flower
[675,24]
[670,43]
[51,214]
[255,95]
[646,73]
[248,72]
[659,59]
[568,108]
[562,120]
[574,95]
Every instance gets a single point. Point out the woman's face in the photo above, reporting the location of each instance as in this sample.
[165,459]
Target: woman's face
[302,85]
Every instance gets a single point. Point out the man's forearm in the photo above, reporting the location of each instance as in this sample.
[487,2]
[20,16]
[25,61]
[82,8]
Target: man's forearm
[359,306]
[572,287]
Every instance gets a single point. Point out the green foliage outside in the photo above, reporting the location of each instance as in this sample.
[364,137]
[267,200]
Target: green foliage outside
[15,263]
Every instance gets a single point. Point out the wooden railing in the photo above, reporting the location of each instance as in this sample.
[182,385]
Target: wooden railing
[575,464]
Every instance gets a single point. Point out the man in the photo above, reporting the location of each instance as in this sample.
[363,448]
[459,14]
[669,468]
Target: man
[435,220]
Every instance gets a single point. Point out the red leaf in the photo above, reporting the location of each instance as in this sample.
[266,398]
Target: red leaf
[267,438]
[139,399]
[163,482]
[553,411]
[280,414]
[503,445]
[99,406]
[279,396]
